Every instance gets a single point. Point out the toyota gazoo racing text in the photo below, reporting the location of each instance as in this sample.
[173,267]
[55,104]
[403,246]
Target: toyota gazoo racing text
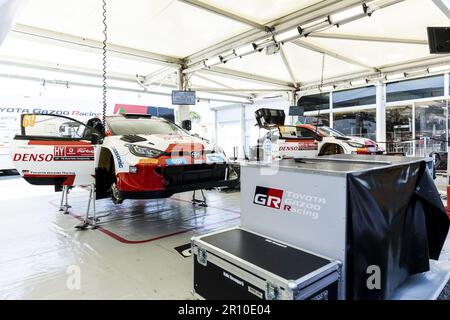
[134,157]
[307,140]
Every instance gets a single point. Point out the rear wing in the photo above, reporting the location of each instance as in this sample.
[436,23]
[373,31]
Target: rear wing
[270,118]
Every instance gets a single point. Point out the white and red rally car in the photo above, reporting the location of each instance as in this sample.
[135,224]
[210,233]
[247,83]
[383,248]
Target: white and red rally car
[308,140]
[134,157]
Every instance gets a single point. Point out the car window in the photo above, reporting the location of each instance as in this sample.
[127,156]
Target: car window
[52,126]
[329,132]
[288,132]
[144,127]
[305,133]
[292,132]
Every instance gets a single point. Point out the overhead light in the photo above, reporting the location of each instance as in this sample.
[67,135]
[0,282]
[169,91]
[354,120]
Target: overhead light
[439,69]
[326,88]
[289,35]
[361,82]
[213,61]
[396,76]
[348,14]
[242,51]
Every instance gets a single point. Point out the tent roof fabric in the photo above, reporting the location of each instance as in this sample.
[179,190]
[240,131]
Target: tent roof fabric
[177,30]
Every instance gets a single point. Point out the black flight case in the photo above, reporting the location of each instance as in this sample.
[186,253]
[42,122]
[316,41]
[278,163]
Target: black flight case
[236,264]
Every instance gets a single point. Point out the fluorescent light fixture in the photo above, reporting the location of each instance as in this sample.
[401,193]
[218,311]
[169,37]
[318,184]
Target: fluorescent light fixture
[289,35]
[326,88]
[348,14]
[242,51]
[361,82]
[213,61]
[439,69]
[396,76]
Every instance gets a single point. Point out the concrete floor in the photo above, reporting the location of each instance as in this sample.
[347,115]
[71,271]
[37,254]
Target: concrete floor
[131,256]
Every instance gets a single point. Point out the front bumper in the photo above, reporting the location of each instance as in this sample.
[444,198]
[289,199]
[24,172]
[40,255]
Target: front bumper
[163,182]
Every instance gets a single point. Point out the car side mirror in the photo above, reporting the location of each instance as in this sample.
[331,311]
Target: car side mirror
[186,125]
[95,138]
[319,137]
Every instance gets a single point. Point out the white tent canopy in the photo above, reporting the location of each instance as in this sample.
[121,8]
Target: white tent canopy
[149,41]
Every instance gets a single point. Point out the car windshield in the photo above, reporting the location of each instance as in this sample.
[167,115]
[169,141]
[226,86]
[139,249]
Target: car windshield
[329,132]
[144,126]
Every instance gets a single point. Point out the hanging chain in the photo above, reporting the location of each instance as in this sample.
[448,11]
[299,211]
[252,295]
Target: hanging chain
[105,39]
[323,71]
[320,88]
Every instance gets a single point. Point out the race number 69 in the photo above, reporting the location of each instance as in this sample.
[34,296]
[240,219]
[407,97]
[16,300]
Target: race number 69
[29,121]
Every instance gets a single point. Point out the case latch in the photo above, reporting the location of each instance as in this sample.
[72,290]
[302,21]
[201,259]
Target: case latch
[272,291]
[202,257]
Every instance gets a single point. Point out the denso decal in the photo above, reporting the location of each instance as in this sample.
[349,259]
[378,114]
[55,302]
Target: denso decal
[72,153]
[32,157]
[118,157]
[300,147]
[291,202]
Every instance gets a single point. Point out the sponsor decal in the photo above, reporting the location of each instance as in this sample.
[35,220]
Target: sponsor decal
[233,278]
[32,157]
[301,146]
[118,157]
[48,111]
[268,197]
[290,202]
[72,153]
[196,154]
[176,161]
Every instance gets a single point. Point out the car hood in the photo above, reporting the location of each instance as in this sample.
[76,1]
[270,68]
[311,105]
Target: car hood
[365,141]
[164,141]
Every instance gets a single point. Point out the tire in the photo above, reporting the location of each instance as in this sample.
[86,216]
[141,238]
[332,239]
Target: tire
[115,197]
[331,149]
[115,194]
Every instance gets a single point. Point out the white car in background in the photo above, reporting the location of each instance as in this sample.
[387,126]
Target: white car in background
[134,157]
[308,140]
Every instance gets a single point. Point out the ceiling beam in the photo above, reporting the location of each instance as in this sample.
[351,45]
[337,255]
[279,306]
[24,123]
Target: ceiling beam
[300,17]
[224,13]
[159,75]
[366,38]
[94,73]
[70,41]
[250,90]
[319,49]
[288,66]
[64,68]
[200,76]
[407,67]
[228,73]
[88,85]
[444,6]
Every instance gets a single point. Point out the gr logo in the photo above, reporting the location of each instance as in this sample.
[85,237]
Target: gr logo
[268,197]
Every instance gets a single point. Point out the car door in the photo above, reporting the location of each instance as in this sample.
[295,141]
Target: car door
[297,142]
[55,150]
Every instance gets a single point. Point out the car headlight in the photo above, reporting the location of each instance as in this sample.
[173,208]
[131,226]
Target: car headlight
[146,152]
[356,144]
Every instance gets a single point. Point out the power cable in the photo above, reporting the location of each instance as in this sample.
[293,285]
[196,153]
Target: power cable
[105,39]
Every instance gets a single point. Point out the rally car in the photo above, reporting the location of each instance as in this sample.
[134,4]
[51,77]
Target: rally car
[133,157]
[307,140]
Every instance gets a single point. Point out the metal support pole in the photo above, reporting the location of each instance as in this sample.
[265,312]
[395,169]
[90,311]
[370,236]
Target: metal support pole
[413,124]
[87,222]
[182,111]
[381,114]
[331,111]
[64,205]
[200,203]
